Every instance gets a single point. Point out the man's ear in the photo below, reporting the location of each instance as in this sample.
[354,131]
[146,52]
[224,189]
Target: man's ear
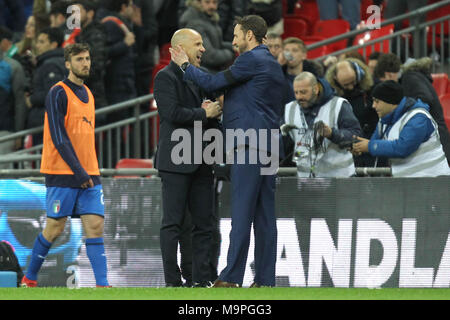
[67,64]
[249,35]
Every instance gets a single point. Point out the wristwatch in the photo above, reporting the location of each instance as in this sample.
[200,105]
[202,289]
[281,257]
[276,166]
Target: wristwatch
[184,66]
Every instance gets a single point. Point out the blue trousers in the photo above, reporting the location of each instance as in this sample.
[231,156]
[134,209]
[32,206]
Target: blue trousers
[252,202]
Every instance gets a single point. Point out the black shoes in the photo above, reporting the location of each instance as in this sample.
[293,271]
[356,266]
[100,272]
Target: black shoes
[203,284]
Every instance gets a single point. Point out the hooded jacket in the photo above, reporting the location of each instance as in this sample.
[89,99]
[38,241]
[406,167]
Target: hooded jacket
[50,69]
[416,131]
[417,82]
[410,141]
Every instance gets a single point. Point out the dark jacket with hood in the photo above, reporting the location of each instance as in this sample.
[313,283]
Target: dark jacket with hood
[120,76]
[50,69]
[417,82]
[94,35]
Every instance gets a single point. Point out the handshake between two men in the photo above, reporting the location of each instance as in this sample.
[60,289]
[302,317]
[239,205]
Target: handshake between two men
[213,108]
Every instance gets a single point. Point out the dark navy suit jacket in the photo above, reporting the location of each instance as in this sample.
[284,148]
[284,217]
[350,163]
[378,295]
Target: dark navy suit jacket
[254,90]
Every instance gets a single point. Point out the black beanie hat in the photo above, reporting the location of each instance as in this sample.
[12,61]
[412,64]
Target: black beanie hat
[388,91]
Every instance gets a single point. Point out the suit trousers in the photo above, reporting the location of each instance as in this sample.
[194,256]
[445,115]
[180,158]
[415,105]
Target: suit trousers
[195,190]
[252,202]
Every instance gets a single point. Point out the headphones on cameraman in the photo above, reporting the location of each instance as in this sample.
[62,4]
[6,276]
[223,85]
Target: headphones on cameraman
[360,73]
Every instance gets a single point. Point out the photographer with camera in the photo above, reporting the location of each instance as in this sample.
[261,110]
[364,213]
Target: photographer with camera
[318,122]
[407,134]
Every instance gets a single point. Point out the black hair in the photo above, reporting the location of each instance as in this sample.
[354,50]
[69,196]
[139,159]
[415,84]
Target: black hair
[116,5]
[387,62]
[54,35]
[253,23]
[5,33]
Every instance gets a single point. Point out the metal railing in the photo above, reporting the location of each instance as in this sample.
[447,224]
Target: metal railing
[108,137]
[153,173]
[419,35]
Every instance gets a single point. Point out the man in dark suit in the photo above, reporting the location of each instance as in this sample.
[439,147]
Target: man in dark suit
[190,183]
[253,101]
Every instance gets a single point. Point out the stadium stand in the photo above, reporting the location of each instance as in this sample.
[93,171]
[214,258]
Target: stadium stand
[331,28]
[295,27]
[374,34]
[440,83]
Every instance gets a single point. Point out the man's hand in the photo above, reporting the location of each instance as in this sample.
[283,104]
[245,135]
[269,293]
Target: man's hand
[361,146]
[220,100]
[178,55]
[326,131]
[129,39]
[87,184]
[28,100]
[213,109]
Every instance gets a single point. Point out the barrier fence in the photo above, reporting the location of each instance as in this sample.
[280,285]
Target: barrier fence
[354,232]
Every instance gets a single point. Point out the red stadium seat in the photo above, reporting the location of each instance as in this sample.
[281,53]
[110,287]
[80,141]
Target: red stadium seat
[318,52]
[445,102]
[133,163]
[295,27]
[440,83]
[371,35]
[307,9]
[439,13]
[332,28]
[164,53]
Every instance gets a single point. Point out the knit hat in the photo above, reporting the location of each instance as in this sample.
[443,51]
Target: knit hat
[388,91]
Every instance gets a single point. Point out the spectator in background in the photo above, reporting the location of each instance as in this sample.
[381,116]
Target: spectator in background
[202,17]
[271,11]
[228,10]
[27,43]
[352,80]
[12,51]
[275,44]
[293,61]
[120,77]
[12,14]
[316,111]
[93,33]
[57,15]
[395,8]
[146,31]
[12,102]
[416,81]
[352,54]
[8,48]
[372,62]
[167,19]
[350,10]
[50,69]
[406,134]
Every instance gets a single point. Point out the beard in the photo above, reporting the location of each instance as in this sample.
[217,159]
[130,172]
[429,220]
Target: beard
[82,76]
[243,47]
[308,103]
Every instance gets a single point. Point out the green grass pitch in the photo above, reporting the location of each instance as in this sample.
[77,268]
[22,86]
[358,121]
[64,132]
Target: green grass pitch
[51,293]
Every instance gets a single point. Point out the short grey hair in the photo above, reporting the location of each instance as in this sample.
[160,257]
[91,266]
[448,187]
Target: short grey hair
[307,75]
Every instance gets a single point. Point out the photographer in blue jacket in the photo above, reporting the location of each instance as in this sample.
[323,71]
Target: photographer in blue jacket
[406,134]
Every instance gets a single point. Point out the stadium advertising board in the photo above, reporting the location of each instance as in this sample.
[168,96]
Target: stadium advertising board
[357,232]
